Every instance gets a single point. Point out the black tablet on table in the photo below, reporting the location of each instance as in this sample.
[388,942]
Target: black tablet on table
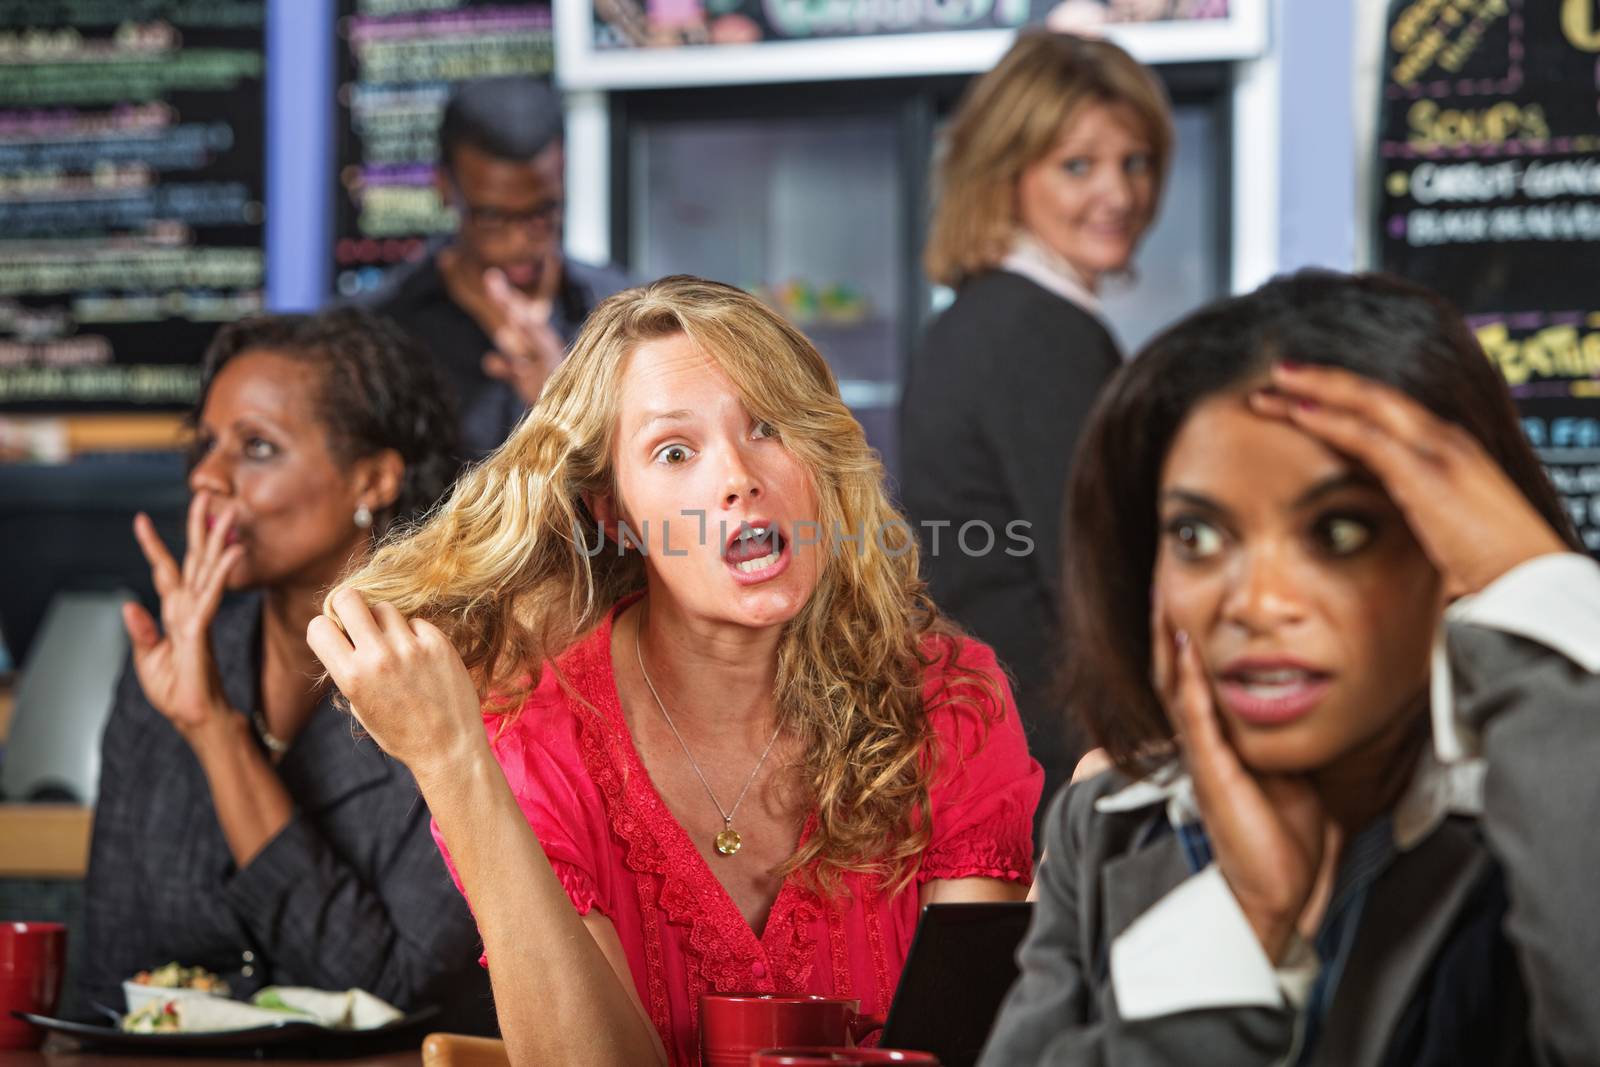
[962,963]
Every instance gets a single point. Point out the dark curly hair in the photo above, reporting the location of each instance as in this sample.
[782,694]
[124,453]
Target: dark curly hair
[379,391]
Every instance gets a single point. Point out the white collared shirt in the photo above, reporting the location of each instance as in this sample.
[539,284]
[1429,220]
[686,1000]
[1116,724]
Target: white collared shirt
[1195,949]
[1050,271]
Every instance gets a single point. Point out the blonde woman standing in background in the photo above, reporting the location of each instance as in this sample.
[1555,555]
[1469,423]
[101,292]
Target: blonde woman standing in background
[1051,174]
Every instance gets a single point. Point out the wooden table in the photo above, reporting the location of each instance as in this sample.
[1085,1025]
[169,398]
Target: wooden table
[40,840]
[44,841]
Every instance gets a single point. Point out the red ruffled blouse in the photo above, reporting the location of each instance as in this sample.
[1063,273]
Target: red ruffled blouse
[616,847]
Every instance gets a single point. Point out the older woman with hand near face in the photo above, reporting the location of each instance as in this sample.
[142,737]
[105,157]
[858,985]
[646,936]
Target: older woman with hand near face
[1051,174]
[1335,631]
[239,826]
[678,736]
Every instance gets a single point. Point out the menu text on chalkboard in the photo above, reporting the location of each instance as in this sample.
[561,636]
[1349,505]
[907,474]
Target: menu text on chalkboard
[398,60]
[1489,192]
[131,188]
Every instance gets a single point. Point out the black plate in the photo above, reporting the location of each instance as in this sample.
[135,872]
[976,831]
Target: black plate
[290,1032]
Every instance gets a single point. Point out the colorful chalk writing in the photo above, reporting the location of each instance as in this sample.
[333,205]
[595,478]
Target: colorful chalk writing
[1489,191]
[397,62]
[131,195]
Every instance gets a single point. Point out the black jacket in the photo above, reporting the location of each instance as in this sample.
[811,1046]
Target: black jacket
[352,892]
[993,405]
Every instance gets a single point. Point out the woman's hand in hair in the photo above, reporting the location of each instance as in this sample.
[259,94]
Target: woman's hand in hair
[1469,517]
[1269,833]
[173,661]
[405,683]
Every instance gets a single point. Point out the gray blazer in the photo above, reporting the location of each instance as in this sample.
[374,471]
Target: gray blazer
[1538,715]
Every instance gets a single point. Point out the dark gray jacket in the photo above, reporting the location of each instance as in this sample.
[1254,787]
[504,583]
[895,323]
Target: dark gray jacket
[1535,847]
[352,892]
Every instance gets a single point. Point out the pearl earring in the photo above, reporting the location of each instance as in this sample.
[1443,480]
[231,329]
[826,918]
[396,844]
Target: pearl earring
[363,517]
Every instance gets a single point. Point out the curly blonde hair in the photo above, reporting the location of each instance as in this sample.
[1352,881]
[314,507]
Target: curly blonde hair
[1011,118]
[500,567]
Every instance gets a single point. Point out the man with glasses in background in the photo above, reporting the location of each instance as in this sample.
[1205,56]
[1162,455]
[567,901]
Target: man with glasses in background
[497,303]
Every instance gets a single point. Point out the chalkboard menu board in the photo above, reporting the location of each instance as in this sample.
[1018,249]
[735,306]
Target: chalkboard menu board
[1489,192]
[131,187]
[397,62]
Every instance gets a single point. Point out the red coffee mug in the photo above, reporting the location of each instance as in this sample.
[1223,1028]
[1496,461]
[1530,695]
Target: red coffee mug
[840,1057]
[735,1027]
[33,957]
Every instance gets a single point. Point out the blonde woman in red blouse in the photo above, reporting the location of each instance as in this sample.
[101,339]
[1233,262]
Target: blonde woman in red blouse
[730,745]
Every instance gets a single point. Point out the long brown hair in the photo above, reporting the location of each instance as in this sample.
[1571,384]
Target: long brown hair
[1380,327]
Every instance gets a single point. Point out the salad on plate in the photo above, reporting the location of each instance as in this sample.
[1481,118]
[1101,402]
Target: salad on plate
[177,999]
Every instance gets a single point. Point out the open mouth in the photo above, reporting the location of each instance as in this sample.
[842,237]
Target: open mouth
[1274,684]
[755,548]
[1272,695]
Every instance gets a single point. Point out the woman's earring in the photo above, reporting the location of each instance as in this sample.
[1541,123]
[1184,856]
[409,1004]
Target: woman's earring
[363,517]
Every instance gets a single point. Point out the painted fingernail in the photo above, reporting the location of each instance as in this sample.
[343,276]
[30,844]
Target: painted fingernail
[1306,405]
[1288,365]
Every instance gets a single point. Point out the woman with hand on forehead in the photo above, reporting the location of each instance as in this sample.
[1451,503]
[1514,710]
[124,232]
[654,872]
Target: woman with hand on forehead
[1334,630]
[717,750]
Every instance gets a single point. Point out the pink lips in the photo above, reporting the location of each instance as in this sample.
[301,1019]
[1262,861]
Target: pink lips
[1271,692]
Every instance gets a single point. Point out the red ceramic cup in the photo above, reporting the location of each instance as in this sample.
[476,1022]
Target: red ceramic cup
[840,1057]
[735,1027]
[32,959]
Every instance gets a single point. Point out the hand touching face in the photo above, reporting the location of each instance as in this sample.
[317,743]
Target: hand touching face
[262,453]
[1309,601]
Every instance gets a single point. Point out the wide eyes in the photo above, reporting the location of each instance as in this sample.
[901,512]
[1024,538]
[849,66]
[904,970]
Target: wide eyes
[677,453]
[259,448]
[1331,535]
[1343,535]
[1194,539]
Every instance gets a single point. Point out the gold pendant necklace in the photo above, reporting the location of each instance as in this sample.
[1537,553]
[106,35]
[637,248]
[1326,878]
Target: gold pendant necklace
[728,841]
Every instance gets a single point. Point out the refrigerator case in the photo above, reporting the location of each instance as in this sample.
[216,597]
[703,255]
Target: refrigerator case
[802,210]
[816,197]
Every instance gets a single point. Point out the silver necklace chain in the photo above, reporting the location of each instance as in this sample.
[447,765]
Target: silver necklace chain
[276,745]
[725,844]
